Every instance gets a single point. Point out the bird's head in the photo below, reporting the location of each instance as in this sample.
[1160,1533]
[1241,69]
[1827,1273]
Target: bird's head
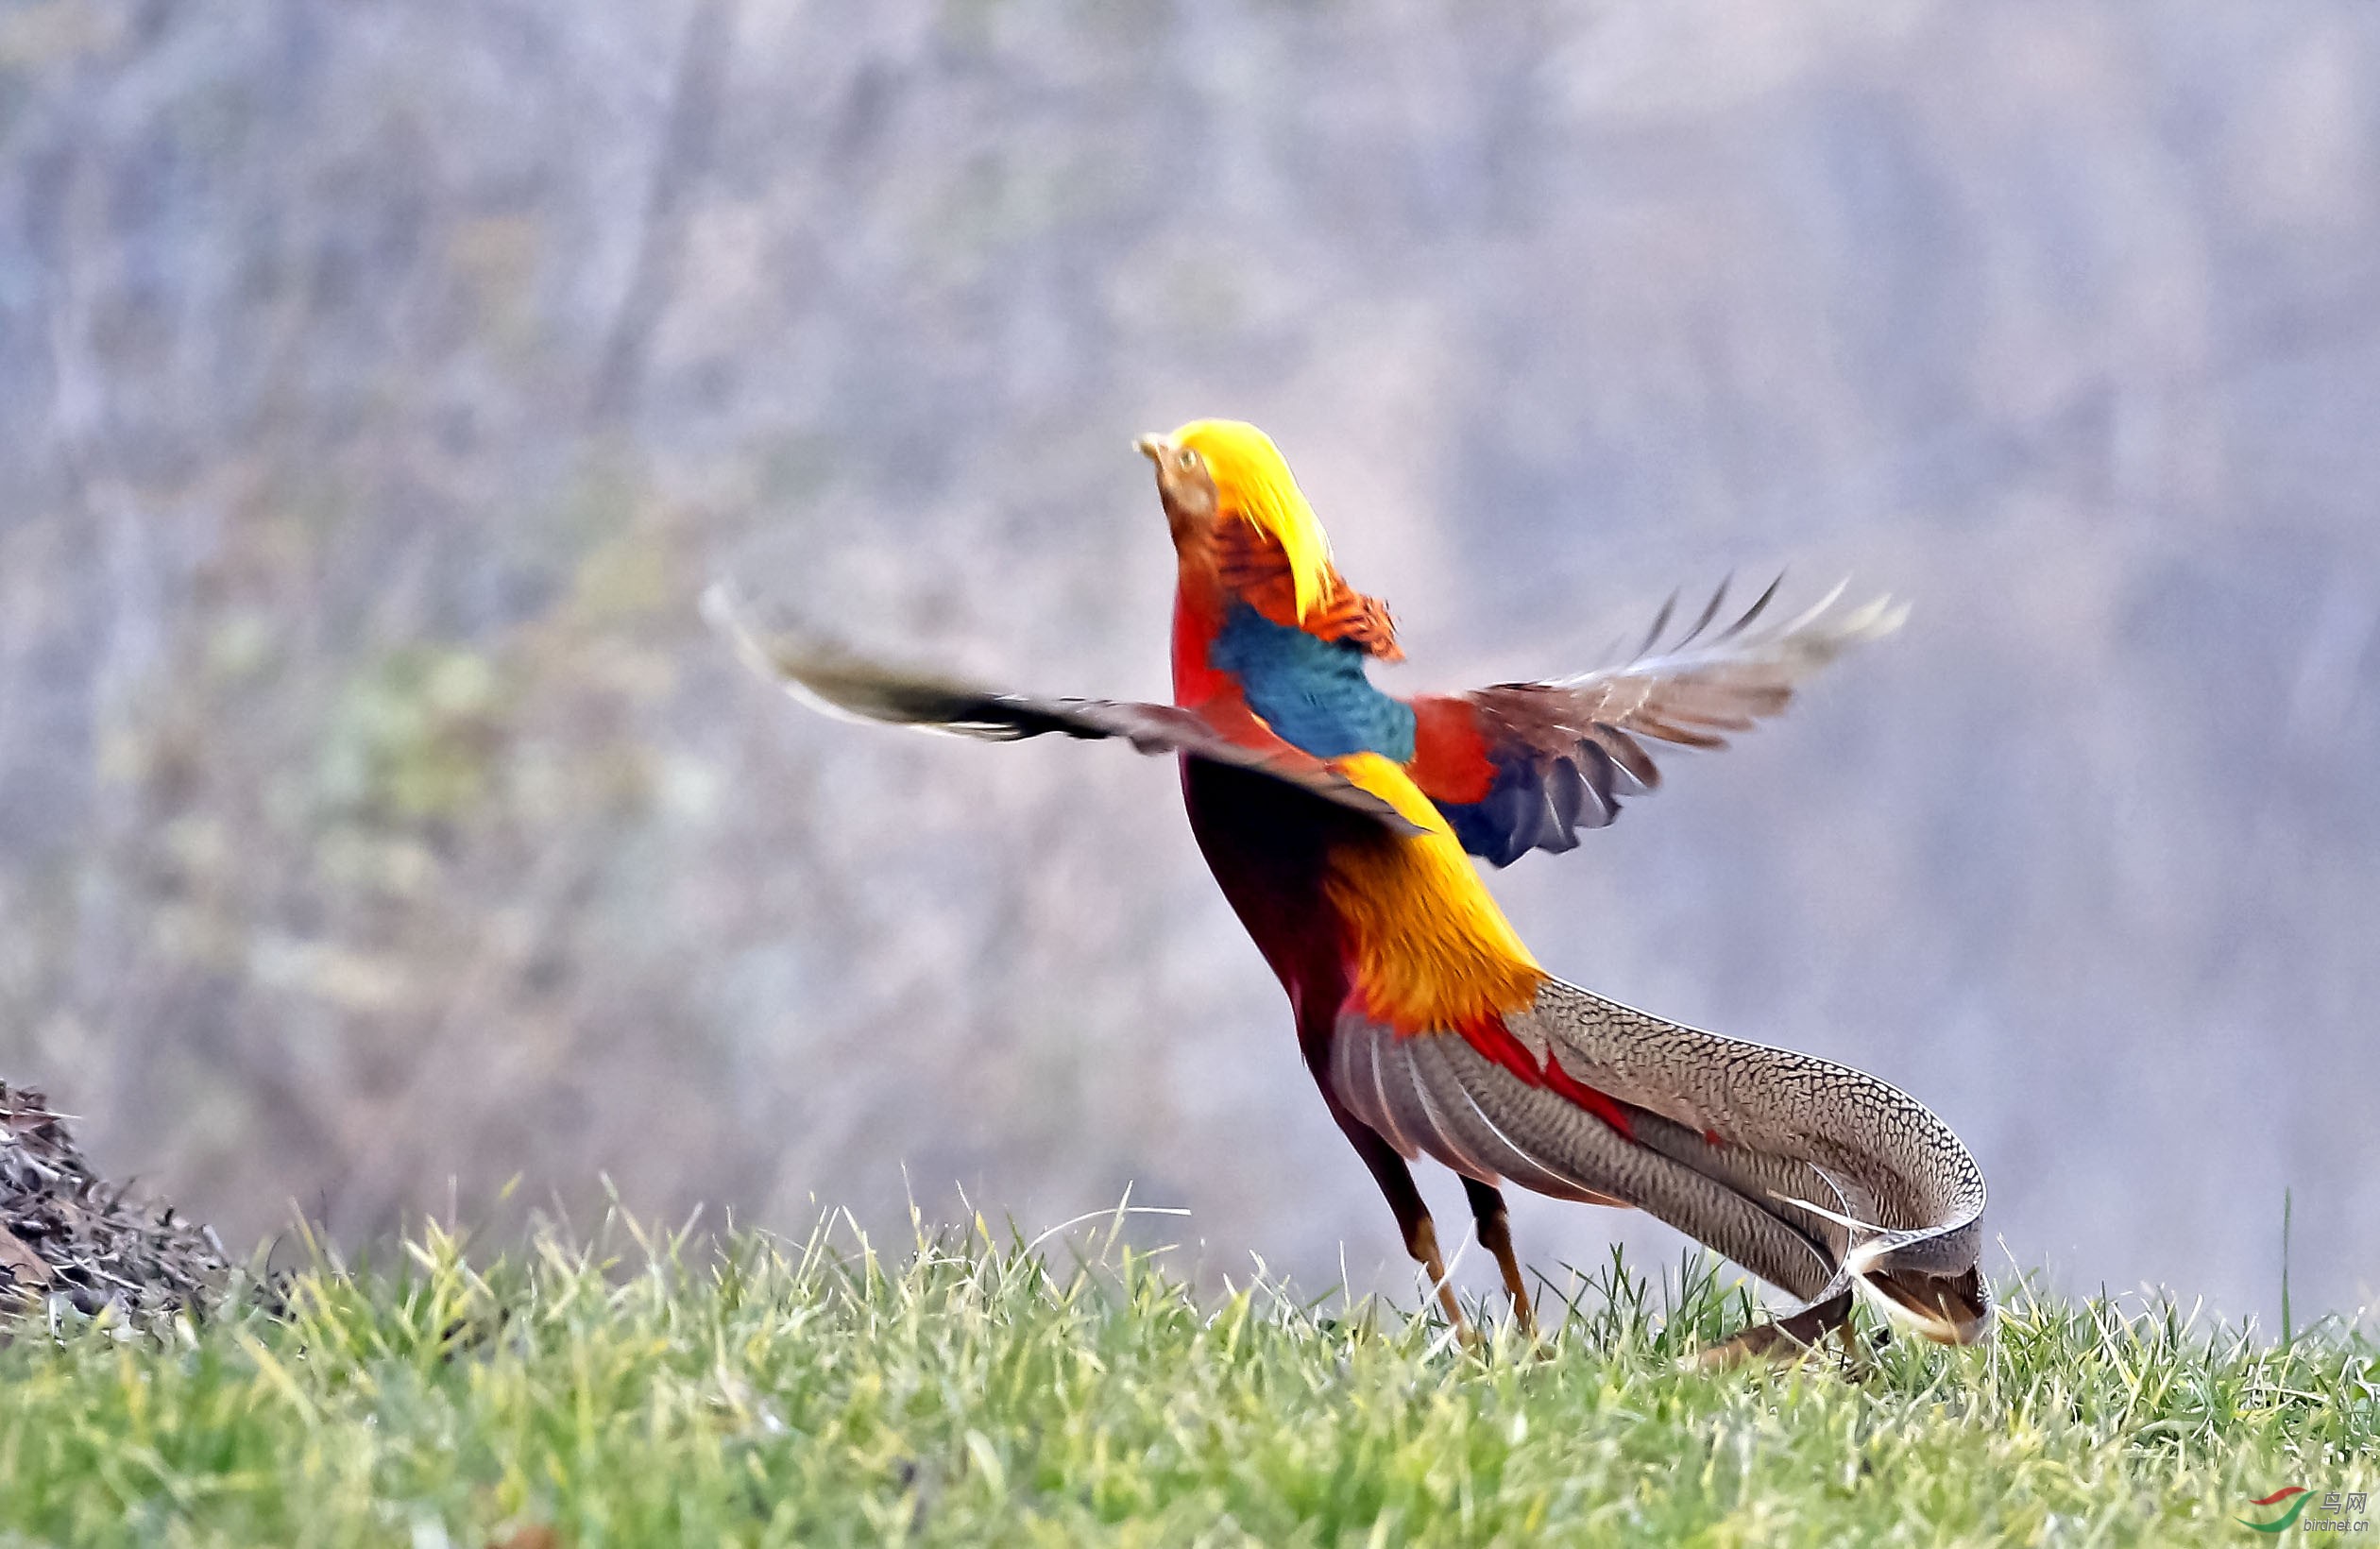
[1216,471]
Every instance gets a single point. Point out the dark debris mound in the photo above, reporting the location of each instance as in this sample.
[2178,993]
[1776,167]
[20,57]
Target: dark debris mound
[66,1233]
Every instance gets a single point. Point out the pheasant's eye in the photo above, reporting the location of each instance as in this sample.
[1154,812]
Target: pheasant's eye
[1185,459]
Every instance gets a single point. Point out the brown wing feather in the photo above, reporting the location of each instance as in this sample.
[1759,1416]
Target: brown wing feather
[1562,752]
[1691,694]
[832,679]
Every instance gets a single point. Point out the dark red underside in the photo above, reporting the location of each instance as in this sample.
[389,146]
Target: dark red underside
[1265,842]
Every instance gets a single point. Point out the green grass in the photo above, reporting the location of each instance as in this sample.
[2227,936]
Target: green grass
[967,1391]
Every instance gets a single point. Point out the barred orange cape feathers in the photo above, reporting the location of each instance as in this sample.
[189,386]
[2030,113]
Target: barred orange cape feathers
[1255,568]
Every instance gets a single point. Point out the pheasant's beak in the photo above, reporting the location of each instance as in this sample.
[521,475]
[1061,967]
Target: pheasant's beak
[1154,447]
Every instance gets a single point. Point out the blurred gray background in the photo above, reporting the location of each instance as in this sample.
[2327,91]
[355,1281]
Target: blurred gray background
[381,380]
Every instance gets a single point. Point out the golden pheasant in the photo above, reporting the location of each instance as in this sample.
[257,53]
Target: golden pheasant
[1340,820]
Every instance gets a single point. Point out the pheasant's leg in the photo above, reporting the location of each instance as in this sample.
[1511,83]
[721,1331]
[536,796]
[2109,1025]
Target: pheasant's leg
[1422,1242]
[1495,1234]
[1395,1178]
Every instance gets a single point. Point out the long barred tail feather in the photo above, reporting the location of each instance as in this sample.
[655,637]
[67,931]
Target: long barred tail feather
[1810,1174]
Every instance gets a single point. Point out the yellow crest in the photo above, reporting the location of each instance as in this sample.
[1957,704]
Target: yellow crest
[1252,479]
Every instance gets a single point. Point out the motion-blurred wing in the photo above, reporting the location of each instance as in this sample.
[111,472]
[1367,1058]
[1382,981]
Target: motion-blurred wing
[840,683]
[1807,1173]
[1522,766]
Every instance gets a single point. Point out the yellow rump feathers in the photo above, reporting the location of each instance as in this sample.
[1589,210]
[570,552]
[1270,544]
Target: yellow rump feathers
[1252,481]
[1433,952]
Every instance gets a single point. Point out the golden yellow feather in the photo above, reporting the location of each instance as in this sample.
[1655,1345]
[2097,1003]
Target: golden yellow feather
[1252,481]
[1433,952]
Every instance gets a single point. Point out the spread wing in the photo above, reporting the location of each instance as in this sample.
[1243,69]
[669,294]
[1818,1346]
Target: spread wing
[835,680]
[1522,766]
[1808,1173]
